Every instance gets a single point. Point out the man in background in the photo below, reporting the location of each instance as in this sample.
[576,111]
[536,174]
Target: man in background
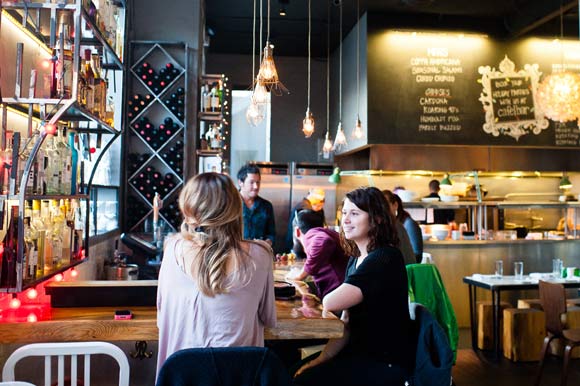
[325,259]
[258,213]
[440,216]
[313,201]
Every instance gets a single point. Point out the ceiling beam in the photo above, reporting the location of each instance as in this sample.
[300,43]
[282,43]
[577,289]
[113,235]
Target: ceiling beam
[532,17]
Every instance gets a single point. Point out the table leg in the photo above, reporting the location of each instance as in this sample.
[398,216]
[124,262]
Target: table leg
[496,301]
[473,315]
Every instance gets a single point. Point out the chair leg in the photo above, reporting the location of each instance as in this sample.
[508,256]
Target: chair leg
[567,353]
[543,353]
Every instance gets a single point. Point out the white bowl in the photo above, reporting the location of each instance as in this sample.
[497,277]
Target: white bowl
[426,236]
[406,195]
[446,198]
[440,234]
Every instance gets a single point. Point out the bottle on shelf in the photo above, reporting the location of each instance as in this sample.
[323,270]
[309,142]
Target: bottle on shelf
[30,251]
[38,234]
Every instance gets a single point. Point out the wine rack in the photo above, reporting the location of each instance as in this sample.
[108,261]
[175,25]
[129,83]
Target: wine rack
[157,121]
[214,124]
[47,193]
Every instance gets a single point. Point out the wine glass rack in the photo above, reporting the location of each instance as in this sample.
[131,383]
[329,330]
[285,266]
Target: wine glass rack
[156,118]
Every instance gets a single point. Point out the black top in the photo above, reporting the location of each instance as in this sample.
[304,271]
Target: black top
[380,325]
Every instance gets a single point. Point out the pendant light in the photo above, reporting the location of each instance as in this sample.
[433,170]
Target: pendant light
[308,122]
[559,94]
[255,111]
[327,147]
[340,139]
[357,132]
[268,75]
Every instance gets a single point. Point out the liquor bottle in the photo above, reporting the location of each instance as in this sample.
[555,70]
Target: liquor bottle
[74,164]
[78,232]
[53,170]
[10,244]
[38,232]
[214,100]
[206,97]
[89,77]
[65,162]
[57,223]
[30,251]
[68,229]
[48,250]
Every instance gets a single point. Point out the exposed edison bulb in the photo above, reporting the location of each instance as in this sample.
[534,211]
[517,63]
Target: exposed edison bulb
[327,147]
[308,124]
[260,94]
[357,131]
[254,113]
[267,73]
[14,303]
[340,139]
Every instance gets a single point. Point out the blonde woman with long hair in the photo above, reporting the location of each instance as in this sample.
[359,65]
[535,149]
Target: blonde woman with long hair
[215,289]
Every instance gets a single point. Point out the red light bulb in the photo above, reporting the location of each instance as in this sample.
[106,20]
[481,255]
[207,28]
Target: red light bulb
[58,277]
[32,293]
[92,150]
[31,318]
[74,273]
[14,303]
[50,128]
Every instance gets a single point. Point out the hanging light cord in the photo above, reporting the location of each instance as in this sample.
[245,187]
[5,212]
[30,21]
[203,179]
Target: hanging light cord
[261,8]
[357,60]
[328,68]
[254,47]
[309,32]
[340,66]
[268,19]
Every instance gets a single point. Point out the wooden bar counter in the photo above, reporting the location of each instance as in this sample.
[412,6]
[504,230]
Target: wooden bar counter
[299,318]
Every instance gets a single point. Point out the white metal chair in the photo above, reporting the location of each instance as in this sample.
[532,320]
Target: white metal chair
[16,383]
[73,350]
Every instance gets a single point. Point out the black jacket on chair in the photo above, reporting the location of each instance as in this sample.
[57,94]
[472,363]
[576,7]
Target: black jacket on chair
[229,366]
[434,358]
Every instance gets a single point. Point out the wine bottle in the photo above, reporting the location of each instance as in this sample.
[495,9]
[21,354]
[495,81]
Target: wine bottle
[38,232]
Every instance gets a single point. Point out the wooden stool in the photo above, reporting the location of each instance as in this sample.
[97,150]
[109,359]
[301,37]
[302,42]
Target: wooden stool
[537,304]
[524,330]
[485,323]
[530,303]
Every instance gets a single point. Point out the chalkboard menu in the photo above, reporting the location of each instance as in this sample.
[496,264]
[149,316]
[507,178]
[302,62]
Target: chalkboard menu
[427,88]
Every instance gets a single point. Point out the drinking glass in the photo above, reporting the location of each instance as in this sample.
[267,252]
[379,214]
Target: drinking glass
[499,268]
[557,268]
[519,270]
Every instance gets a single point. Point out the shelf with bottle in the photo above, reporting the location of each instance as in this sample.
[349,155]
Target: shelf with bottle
[158,71]
[102,26]
[214,97]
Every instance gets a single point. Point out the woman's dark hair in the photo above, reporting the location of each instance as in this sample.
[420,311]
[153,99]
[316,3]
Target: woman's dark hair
[383,231]
[393,198]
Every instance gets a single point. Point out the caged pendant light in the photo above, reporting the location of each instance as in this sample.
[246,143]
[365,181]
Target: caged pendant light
[357,132]
[340,139]
[267,74]
[308,122]
[327,146]
[255,111]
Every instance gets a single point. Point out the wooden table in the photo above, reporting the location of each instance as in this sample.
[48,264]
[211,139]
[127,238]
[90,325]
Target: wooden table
[496,285]
[299,318]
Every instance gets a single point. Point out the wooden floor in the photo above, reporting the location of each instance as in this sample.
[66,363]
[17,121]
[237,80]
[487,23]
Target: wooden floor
[478,368]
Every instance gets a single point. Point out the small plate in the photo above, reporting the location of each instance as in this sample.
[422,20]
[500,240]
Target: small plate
[430,199]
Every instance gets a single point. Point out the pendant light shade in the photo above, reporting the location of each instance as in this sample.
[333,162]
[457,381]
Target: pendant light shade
[340,139]
[335,176]
[565,183]
[446,181]
[255,113]
[261,95]
[358,131]
[327,147]
[267,75]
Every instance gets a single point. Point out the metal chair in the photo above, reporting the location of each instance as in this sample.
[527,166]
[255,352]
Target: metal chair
[68,349]
[553,298]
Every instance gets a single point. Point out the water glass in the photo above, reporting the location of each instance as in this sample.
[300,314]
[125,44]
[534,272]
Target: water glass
[519,270]
[499,268]
[557,268]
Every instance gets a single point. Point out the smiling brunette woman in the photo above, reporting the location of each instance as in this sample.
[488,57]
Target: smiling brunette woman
[377,347]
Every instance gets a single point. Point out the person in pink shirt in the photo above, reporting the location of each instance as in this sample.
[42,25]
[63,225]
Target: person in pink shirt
[215,289]
[325,259]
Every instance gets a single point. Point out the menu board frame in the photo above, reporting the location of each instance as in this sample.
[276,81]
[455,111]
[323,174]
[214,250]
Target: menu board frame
[511,93]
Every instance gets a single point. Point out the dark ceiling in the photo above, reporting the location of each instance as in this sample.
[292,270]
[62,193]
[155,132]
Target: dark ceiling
[229,22]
